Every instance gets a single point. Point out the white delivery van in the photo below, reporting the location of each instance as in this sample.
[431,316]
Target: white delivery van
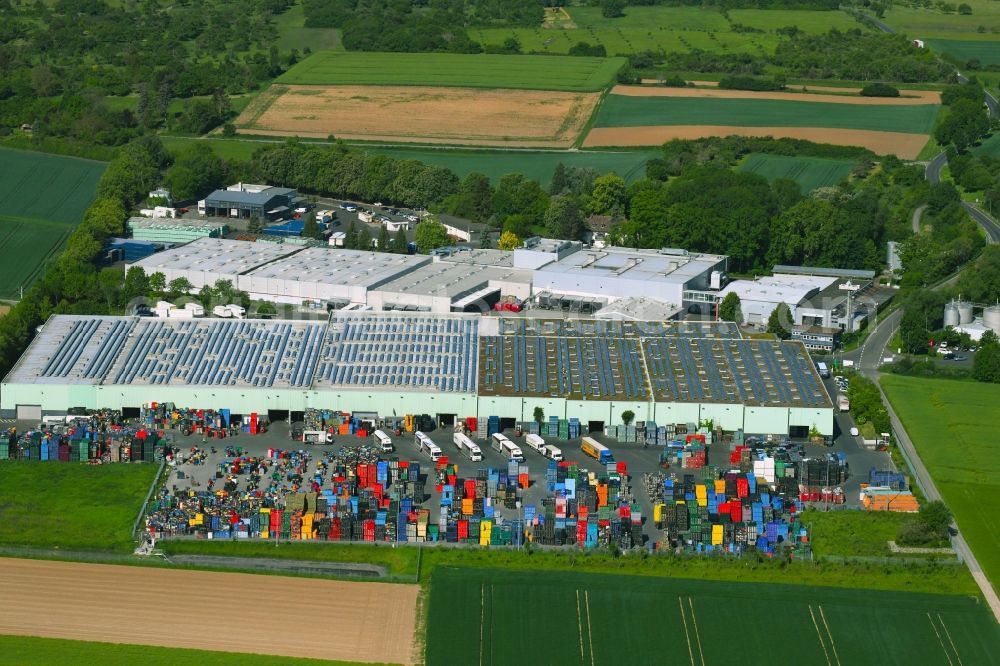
[536,442]
[382,441]
[427,447]
[552,453]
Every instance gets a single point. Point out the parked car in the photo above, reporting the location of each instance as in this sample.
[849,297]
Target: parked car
[960,358]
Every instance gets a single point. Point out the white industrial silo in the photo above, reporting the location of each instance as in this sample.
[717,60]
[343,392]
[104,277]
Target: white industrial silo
[951,316]
[964,312]
[991,318]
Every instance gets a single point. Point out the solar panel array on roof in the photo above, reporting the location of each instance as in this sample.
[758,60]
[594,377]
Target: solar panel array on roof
[219,353]
[82,348]
[414,352]
[593,367]
[617,329]
[755,372]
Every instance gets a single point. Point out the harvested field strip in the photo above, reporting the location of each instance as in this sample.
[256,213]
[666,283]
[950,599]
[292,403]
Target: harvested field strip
[453,69]
[913,97]
[296,617]
[431,115]
[903,145]
[568,618]
[626,111]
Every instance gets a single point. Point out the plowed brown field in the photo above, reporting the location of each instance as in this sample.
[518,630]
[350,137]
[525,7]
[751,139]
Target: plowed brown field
[292,617]
[913,97]
[901,144]
[470,116]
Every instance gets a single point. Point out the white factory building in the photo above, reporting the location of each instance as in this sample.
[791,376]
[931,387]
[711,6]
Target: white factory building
[449,366]
[553,273]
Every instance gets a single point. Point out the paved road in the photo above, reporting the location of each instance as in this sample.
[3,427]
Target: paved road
[985,221]
[916,218]
[991,102]
[932,172]
[879,24]
[870,356]
[931,491]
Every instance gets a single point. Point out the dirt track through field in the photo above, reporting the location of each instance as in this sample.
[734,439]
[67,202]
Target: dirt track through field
[918,98]
[901,144]
[292,617]
[468,116]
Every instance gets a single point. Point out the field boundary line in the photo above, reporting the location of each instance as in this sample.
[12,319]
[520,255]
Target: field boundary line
[590,633]
[819,635]
[948,634]
[579,625]
[680,603]
[829,633]
[697,634]
[938,634]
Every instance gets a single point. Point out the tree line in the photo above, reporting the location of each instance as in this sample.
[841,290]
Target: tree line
[64,64]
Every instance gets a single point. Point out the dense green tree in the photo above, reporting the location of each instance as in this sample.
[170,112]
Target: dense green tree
[364,239]
[399,244]
[430,235]
[351,237]
[473,199]
[986,367]
[963,125]
[310,228]
[179,287]
[564,218]
[610,196]
[157,284]
[136,284]
[779,323]
[729,308]
[384,242]
[612,8]
[509,241]
[196,171]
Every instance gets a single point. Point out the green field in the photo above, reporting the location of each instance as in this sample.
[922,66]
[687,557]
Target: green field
[856,533]
[808,172]
[963,50]
[628,111]
[990,146]
[664,29]
[42,198]
[932,23]
[453,69]
[497,617]
[71,506]
[292,33]
[953,425]
[31,651]
[536,165]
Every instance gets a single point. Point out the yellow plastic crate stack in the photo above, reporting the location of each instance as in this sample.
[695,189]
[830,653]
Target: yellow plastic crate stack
[467,507]
[720,486]
[307,526]
[716,535]
[199,519]
[701,495]
[658,512]
[265,523]
[485,530]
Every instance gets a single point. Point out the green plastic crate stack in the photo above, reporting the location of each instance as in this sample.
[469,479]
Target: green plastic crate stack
[4,449]
[710,473]
[286,525]
[84,452]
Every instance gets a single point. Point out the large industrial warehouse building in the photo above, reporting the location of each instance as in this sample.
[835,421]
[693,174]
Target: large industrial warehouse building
[449,366]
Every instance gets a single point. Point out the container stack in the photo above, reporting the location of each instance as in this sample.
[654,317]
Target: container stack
[820,480]
[887,479]
[730,512]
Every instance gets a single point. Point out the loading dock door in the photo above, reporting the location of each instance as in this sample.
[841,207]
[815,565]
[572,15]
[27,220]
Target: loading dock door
[275,415]
[595,426]
[446,420]
[29,412]
[798,432]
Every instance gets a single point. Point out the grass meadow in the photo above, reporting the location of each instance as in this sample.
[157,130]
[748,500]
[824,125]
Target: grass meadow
[953,426]
[453,69]
[808,172]
[42,198]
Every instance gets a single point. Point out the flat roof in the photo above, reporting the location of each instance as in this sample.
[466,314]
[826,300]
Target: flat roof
[639,309]
[658,266]
[251,198]
[443,278]
[498,258]
[791,289]
[581,327]
[829,272]
[339,266]
[216,255]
